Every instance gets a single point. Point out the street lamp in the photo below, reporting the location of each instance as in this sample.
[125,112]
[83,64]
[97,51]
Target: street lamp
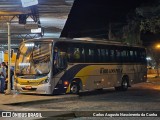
[149,58]
[158,46]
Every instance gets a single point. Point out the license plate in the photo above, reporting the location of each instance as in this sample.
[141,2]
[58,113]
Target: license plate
[28,87]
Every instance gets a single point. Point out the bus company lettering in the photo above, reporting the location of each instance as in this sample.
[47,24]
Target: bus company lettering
[106,71]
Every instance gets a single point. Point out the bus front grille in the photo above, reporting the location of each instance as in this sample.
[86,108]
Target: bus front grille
[29,83]
[31,89]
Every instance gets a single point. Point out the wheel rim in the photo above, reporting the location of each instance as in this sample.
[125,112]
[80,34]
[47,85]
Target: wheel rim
[74,89]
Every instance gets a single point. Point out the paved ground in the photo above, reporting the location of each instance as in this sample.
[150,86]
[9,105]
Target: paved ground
[15,102]
[14,99]
[141,97]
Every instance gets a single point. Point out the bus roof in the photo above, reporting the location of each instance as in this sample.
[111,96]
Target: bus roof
[84,40]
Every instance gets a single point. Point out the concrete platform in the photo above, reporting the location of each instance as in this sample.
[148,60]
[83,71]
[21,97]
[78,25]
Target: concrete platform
[22,98]
[13,103]
[8,102]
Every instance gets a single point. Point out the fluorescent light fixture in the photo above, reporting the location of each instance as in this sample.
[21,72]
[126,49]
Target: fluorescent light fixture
[24,64]
[29,44]
[27,3]
[39,30]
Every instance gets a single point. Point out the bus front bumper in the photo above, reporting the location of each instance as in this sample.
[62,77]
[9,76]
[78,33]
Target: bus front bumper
[40,89]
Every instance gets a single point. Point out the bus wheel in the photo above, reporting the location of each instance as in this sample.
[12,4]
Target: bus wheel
[74,89]
[124,84]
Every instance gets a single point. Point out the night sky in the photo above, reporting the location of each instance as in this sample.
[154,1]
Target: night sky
[91,17]
[150,39]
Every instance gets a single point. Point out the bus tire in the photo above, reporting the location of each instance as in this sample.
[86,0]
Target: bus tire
[125,84]
[74,89]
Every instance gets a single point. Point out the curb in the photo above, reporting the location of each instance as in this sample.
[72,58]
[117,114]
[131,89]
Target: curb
[60,99]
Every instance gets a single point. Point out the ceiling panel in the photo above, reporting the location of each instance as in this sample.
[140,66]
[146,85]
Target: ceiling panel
[51,15]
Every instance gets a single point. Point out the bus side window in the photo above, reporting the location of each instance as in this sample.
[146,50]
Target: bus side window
[103,55]
[131,53]
[91,55]
[123,55]
[112,55]
[76,54]
[61,61]
[70,52]
[127,57]
[139,56]
[82,55]
[143,56]
[96,55]
[136,56]
[118,55]
[107,55]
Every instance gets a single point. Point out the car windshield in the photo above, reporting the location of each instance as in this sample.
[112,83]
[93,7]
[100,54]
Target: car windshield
[33,59]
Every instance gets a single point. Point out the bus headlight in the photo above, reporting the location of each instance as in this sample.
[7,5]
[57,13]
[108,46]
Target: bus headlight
[44,81]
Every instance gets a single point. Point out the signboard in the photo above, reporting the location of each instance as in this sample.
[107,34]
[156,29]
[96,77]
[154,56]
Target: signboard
[27,3]
[31,26]
[39,30]
[1,56]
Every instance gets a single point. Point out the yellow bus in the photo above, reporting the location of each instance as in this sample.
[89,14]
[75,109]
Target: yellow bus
[55,66]
[13,57]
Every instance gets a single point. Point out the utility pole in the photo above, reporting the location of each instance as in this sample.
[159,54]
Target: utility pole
[9,59]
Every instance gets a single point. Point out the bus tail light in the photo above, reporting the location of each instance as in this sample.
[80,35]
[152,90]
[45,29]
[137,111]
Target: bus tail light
[66,83]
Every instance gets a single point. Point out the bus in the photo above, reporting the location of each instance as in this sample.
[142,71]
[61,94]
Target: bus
[13,57]
[59,66]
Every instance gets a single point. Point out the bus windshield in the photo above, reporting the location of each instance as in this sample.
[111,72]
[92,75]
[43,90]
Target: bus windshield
[33,59]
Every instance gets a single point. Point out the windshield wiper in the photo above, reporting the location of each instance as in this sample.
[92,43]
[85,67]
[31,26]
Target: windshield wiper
[42,74]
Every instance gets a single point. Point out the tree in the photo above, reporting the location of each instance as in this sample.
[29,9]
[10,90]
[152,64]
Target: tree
[146,18]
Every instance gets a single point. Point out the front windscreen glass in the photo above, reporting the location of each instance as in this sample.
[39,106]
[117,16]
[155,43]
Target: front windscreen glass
[33,58]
